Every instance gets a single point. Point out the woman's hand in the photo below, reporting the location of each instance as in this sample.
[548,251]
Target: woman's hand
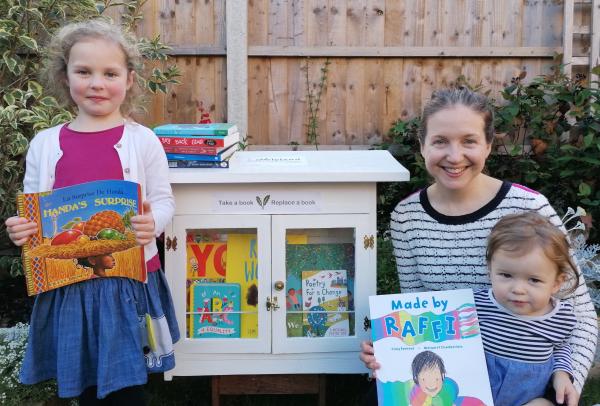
[19,229]
[143,225]
[367,355]
[565,391]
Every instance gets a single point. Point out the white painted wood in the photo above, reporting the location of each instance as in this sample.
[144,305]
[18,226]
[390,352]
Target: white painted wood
[237,64]
[299,166]
[338,189]
[364,271]
[177,282]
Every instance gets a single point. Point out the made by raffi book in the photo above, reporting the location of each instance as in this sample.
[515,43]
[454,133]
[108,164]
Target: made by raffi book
[430,350]
[84,232]
[216,308]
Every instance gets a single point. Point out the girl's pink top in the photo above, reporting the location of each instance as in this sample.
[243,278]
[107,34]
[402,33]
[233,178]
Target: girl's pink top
[90,156]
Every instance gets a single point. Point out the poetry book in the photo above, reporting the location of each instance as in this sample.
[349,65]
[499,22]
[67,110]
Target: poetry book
[84,232]
[325,304]
[430,350]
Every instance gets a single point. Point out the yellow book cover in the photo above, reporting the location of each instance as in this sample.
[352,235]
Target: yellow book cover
[242,268]
[206,260]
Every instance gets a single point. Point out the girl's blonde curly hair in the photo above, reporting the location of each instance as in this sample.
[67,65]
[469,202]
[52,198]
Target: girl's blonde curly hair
[54,71]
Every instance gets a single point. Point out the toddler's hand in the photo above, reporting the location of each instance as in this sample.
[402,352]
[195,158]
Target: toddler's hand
[19,229]
[143,225]
[367,355]
[565,391]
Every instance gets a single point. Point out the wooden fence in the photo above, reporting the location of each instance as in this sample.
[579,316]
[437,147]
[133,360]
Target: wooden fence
[386,57]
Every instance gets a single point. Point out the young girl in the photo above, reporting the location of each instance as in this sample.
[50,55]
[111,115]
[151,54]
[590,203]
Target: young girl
[525,330]
[440,233]
[89,335]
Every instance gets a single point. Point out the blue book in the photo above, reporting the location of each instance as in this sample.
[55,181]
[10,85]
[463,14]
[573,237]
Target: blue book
[213,129]
[215,309]
[198,164]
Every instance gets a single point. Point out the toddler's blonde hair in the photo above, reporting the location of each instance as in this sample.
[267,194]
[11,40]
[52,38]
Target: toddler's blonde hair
[522,232]
[54,72]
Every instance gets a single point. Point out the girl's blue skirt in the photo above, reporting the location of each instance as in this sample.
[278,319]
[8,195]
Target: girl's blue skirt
[96,333]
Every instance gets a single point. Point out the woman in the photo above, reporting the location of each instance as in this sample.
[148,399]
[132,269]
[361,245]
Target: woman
[439,233]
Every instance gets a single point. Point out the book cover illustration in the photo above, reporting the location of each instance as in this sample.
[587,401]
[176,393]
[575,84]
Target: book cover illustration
[242,268]
[206,261]
[430,350]
[315,257]
[215,308]
[325,304]
[84,232]
[214,129]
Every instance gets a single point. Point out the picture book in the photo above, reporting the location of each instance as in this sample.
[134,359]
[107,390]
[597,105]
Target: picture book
[242,268]
[430,350]
[325,304]
[198,164]
[215,310]
[199,141]
[202,157]
[315,257]
[84,232]
[206,260]
[214,129]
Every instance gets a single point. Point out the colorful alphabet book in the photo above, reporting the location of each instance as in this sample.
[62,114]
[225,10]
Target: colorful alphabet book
[419,335]
[325,304]
[215,308]
[315,257]
[84,232]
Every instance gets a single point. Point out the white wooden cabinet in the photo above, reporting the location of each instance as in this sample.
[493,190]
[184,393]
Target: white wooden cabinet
[298,211]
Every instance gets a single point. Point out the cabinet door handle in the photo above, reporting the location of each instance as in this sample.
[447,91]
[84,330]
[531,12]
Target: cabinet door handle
[272,304]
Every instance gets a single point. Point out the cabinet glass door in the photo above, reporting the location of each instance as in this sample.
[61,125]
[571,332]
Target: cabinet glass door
[220,278]
[318,270]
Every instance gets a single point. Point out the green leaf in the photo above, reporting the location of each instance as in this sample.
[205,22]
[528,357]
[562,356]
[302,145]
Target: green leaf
[9,99]
[49,101]
[10,62]
[28,42]
[34,88]
[584,189]
[588,140]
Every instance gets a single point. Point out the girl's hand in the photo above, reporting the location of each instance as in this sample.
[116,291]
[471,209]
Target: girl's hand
[19,229]
[143,225]
[565,391]
[367,355]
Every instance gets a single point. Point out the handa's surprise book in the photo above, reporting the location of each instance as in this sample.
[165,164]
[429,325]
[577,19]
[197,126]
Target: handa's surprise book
[430,350]
[84,232]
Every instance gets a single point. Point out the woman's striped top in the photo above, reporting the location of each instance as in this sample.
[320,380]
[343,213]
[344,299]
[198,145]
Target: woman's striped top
[437,252]
[526,339]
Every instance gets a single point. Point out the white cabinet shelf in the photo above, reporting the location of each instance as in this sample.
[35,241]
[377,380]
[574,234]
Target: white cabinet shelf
[265,228]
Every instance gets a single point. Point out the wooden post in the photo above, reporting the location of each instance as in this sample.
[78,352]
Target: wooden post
[236,17]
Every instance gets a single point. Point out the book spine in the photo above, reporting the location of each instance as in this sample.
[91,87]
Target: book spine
[193,157]
[197,164]
[193,149]
[26,260]
[167,140]
[197,132]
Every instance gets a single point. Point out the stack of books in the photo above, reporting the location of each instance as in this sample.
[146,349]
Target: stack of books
[199,145]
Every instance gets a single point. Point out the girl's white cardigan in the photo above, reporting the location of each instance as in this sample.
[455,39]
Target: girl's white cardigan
[142,158]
